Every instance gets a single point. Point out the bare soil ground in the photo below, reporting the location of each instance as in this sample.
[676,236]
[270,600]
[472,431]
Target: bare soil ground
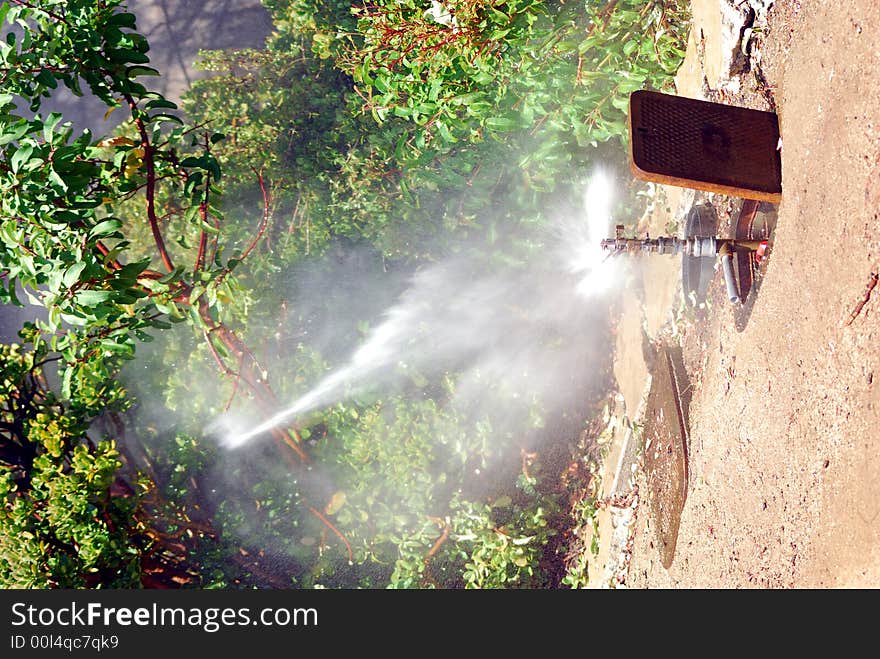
[783,485]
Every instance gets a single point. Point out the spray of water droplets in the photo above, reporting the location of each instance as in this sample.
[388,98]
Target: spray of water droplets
[516,325]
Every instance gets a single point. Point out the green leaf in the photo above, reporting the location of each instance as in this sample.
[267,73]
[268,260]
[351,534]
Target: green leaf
[66,378]
[209,228]
[106,227]
[122,19]
[196,293]
[404,191]
[76,320]
[192,161]
[628,85]
[49,125]
[130,56]
[115,347]
[8,295]
[190,214]
[172,276]
[57,180]
[501,124]
[71,275]
[46,79]
[158,103]
[92,298]
[21,155]
[443,129]
[211,165]
[135,71]
[164,116]
[143,336]
[14,132]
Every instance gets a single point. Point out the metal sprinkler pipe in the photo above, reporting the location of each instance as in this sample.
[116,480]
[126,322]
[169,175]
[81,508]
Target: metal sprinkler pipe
[695,246]
[726,254]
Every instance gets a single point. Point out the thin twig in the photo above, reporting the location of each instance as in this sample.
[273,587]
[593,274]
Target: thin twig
[235,383]
[150,164]
[338,533]
[29,5]
[439,543]
[872,282]
[217,358]
[265,219]
[101,247]
[203,213]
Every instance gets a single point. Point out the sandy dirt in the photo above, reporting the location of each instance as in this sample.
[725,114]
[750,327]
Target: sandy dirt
[784,445]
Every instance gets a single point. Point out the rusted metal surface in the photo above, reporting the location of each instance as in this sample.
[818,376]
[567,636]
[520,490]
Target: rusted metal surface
[705,146]
[745,259]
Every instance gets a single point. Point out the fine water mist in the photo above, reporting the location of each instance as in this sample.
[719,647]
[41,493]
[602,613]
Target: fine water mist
[527,329]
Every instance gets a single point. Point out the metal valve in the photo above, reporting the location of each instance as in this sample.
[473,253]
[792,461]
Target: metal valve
[694,246]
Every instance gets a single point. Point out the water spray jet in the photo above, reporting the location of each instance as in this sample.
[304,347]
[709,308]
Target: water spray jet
[488,324]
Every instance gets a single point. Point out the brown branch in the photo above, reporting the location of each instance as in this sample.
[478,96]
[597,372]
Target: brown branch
[264,394]
[57,17]
[255,381]
[203,213]
[264,222]
[291,438]
[538,124]
[215,240]
[608,10]
[203,240]
[293,219]
[189,130]
[217,358]
[150,164]
[131,193]
[234,384]
[150,274]
[254,568]
[872,282]
[439,543]
[101,247]
[37,69]
[338,533]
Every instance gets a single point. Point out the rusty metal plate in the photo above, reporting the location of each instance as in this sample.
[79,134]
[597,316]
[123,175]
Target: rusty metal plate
[705,146]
